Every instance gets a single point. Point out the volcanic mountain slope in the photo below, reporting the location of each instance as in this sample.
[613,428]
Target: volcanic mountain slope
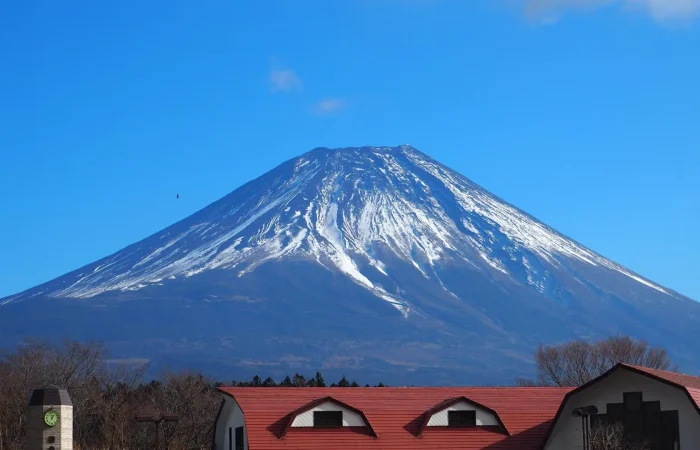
[355,260]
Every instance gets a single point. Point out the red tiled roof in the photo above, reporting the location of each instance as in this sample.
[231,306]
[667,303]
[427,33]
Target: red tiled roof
[396,415]
[695,395]
[681,379]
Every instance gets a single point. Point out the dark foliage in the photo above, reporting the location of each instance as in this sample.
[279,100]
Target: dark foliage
[107,395]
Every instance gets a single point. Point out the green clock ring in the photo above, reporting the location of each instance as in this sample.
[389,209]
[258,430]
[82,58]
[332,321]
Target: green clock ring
[51,418]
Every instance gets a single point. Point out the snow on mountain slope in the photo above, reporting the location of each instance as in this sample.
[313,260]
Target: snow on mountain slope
[360,260]
[339,207]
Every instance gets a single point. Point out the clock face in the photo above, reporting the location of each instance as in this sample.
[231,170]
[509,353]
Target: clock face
[51,418]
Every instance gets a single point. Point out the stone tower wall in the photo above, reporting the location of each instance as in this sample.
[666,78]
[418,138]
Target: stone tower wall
[41,436]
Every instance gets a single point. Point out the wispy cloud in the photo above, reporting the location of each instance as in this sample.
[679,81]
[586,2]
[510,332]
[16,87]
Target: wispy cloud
[329,106]
[284,80]
[661,10]
[128,361]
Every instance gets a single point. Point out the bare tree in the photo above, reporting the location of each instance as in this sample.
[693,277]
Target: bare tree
[106,397]
[81,369]
[113,411]
[194,400]
[22,370]
[577,362]
[613,436]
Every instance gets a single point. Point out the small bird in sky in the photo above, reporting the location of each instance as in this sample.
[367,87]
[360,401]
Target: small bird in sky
[178,196]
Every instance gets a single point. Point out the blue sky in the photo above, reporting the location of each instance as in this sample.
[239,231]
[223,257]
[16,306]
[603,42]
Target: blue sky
[586,117]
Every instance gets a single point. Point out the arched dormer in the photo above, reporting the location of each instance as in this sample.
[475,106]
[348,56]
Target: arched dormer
[461,412]
[326,413]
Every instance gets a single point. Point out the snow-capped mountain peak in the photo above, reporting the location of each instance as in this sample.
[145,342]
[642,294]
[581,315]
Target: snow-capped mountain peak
[349,260]
[341,208]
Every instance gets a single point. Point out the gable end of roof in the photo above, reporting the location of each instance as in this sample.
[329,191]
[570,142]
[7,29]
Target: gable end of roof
[618,366]
[660,376]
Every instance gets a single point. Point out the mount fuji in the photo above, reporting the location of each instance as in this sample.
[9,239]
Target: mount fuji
[378,263]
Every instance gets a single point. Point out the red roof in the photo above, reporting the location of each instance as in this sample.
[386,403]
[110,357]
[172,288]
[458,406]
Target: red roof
[695,395]
[396,416]
[688,381]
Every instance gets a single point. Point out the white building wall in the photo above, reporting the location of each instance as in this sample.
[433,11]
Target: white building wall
[483,417]
[567,434]
[350,418]
[231,417]
[66,414]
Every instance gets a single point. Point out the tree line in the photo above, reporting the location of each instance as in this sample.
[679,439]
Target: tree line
[106,396]
[296,381]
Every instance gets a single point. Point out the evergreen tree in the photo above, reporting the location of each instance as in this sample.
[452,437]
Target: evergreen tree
[299,380]
[319,380]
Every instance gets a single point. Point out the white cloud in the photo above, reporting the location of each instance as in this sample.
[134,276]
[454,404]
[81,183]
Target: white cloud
[329,105]
[661,10]
[284,80]
[672,9]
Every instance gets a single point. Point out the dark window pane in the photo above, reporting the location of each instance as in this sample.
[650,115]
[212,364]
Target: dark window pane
[328,419]
[651,408]
[669,430]
[239,438]
[598,420]
[616,412]
[461,418]
[651,411]
[230,438]
[634,423]
[633,401]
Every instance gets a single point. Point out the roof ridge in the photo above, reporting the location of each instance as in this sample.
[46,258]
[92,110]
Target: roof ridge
[386,388]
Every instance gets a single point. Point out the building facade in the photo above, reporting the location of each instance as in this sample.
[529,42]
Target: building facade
[659,407]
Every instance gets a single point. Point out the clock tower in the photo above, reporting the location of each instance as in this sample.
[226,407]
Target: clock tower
[50,420]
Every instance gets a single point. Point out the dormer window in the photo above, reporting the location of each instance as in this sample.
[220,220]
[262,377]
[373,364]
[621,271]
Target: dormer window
[461,412]
[328,419]
[330,413]
[459,419]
